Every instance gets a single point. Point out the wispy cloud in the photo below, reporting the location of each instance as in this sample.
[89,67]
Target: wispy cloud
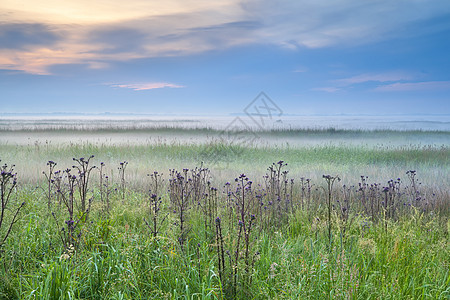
[414,86]
[95,33]
[374,77]
[329,89]
[145,86]
[350,82]
[321,23]
[300,70]
[388,82]
[19,36]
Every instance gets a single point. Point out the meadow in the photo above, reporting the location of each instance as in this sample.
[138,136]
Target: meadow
[182,213]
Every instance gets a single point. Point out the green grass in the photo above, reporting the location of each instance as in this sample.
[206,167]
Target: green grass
[431,162]
[409,261]
[405,258]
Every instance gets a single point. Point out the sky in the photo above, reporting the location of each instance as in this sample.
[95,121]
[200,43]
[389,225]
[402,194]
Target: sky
[214,57]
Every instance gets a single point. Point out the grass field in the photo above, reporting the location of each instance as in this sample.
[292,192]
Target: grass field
[208,233]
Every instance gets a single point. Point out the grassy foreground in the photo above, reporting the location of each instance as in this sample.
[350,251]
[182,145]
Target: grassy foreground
[118,258]
[236,240]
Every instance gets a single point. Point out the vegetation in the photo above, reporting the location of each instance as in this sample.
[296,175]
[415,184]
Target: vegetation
[113,222]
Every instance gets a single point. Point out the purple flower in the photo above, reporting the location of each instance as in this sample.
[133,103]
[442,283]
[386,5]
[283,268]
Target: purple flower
[69,222]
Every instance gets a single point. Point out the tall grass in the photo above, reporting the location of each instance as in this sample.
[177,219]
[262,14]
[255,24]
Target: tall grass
[409,261]
[379,233]
[117,258]
[431,161]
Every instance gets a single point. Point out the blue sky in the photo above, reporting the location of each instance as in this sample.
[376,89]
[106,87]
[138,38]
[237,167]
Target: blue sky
[214,57]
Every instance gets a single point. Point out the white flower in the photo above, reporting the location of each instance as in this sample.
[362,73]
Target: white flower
[65,256]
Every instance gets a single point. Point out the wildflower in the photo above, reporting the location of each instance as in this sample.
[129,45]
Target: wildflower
[64,256]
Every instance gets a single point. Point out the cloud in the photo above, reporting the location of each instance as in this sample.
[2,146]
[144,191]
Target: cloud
[414,86]
[376,77]
[300,70]
[19,36]
[146,86]
[39,59]
[350,82]
[316,24]
[388,82]
[330,89]
[118,40]
[88,12]
[98,33]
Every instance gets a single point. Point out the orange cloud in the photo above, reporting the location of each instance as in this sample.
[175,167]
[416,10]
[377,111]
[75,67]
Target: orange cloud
[184,27]
[165,28]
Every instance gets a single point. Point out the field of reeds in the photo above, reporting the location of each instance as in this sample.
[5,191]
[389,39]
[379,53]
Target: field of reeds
[183,214]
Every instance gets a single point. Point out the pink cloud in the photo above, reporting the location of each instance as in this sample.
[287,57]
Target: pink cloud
[146,86]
